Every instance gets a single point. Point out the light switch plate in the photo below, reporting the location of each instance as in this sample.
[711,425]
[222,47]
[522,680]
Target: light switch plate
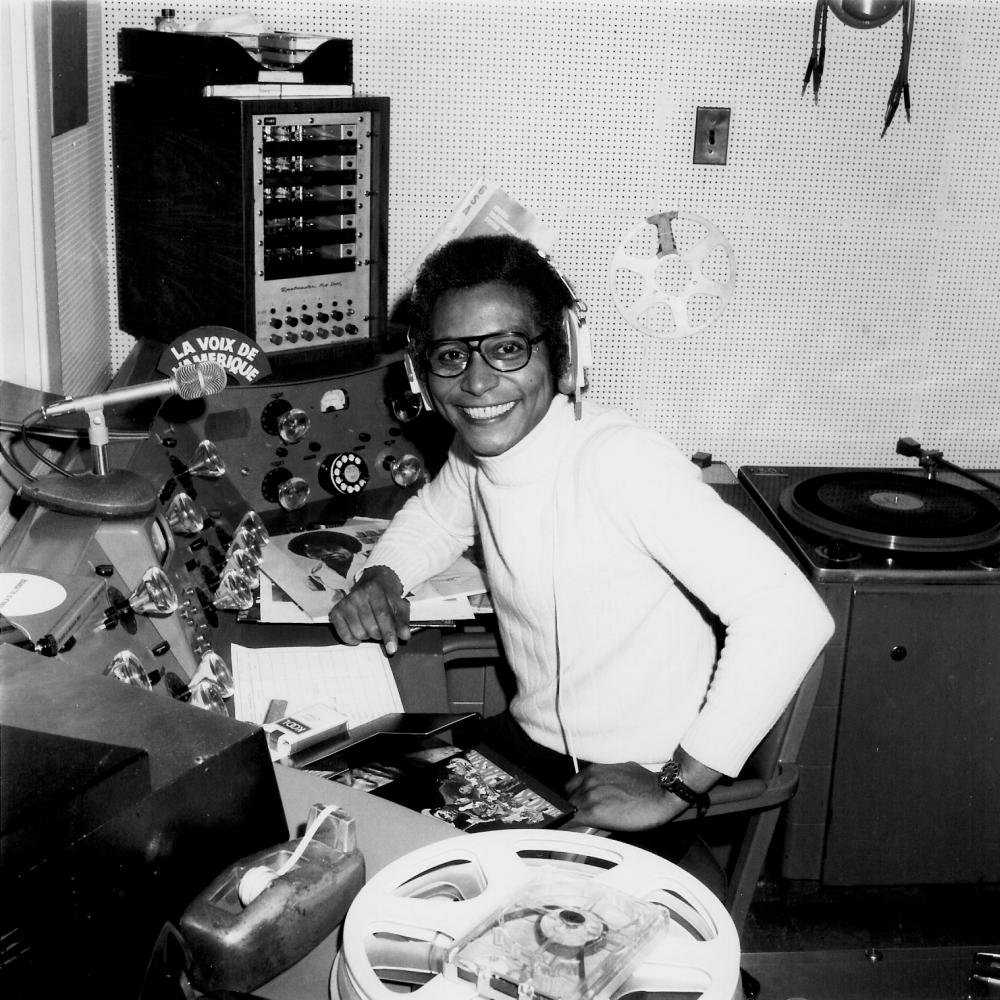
[711,135]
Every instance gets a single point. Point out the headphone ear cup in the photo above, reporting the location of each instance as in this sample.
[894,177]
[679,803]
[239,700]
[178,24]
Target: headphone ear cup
[567,381]
[417,387]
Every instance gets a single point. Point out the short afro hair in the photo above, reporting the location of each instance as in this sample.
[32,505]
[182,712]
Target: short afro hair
[482,260]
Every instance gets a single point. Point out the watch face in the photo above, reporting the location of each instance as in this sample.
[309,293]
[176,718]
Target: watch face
[670,781]
[669,774]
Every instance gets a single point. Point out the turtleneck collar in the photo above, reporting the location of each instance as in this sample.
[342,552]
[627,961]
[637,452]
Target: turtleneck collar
[535,452]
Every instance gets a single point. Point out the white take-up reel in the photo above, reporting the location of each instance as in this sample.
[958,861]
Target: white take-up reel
[535,915]
[672,275]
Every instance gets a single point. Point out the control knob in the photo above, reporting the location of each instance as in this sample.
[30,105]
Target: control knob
[281,419]
[403,471]
[282,487]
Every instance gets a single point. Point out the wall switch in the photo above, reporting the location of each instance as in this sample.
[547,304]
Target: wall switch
[711,135]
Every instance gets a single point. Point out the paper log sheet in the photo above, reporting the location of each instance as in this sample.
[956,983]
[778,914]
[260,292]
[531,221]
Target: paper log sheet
[355,680]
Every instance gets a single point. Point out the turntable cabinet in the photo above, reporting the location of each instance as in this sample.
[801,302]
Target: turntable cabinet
[900,764]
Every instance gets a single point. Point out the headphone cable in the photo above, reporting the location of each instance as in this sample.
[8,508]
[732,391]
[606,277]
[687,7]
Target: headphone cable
[564,732]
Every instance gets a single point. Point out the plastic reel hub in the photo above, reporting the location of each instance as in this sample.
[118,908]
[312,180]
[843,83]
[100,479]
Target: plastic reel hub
[702,254]
[403,922]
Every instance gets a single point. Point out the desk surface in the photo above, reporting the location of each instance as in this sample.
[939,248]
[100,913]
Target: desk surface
[385,832]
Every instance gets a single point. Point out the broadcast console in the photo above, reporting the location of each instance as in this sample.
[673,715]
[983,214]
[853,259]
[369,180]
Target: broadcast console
[283,456]
[114,628]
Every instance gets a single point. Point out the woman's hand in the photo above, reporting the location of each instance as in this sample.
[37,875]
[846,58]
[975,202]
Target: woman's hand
[374,609]
[621,797]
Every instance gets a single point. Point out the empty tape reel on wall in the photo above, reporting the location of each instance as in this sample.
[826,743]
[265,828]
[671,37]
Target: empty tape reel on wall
[673,275]
[535,914]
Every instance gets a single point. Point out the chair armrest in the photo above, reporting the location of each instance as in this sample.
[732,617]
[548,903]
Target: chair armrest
[469,646]
[751,795]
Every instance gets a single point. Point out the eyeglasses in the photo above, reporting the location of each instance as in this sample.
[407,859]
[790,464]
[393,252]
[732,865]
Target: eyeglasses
[508,351]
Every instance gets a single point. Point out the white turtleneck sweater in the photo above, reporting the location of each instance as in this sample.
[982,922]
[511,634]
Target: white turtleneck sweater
[600,541]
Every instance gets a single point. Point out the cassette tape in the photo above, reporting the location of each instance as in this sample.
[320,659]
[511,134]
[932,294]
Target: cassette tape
[562,936]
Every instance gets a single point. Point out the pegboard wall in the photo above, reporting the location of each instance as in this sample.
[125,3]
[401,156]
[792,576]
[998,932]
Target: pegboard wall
[80,206]
[866,298]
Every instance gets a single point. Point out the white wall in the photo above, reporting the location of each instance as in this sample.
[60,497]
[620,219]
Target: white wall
[866,293]
[55,332]
[25,168]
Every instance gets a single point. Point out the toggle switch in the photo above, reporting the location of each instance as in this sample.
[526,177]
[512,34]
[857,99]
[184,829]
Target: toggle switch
[711,135]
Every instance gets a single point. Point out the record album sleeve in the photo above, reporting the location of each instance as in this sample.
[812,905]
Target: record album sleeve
[473,789]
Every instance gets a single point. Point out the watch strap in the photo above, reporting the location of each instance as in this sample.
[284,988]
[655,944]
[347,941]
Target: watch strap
[670,781]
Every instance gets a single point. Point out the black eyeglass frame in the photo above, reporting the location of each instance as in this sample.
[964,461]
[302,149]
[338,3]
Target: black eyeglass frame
[473,344]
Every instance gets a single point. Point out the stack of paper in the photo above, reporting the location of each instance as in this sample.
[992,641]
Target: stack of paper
[356,681]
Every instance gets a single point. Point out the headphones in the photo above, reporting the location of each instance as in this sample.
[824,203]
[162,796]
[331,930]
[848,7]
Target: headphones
[571,381]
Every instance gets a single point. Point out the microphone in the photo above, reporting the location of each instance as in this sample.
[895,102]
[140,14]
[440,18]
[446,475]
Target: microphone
[115,493]
[204,378]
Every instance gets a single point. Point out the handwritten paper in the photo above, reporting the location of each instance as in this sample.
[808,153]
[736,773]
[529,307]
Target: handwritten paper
[355,680]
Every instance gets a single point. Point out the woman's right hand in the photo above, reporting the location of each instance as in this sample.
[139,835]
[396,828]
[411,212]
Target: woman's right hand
[374,609]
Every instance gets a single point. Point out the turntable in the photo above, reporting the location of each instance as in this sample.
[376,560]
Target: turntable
[908,563]
[846,523]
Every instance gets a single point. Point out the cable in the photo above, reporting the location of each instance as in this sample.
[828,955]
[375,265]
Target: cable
[570,751]
[25,429]
[13,462]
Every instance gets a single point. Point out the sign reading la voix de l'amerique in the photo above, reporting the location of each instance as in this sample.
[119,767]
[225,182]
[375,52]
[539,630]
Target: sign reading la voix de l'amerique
[240,356]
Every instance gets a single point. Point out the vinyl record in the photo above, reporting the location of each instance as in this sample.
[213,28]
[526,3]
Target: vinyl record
[888,510]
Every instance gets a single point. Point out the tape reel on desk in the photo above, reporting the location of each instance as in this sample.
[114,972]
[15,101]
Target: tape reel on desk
[535,913]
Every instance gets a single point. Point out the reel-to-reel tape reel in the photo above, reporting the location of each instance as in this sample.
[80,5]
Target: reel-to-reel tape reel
[673,275]
[535,915]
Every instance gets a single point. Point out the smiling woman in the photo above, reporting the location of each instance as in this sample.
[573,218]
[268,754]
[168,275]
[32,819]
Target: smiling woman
[491,408]
[622,699]
[491,260]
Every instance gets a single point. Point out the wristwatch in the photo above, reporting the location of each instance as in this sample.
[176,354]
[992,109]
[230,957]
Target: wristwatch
[670,781]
